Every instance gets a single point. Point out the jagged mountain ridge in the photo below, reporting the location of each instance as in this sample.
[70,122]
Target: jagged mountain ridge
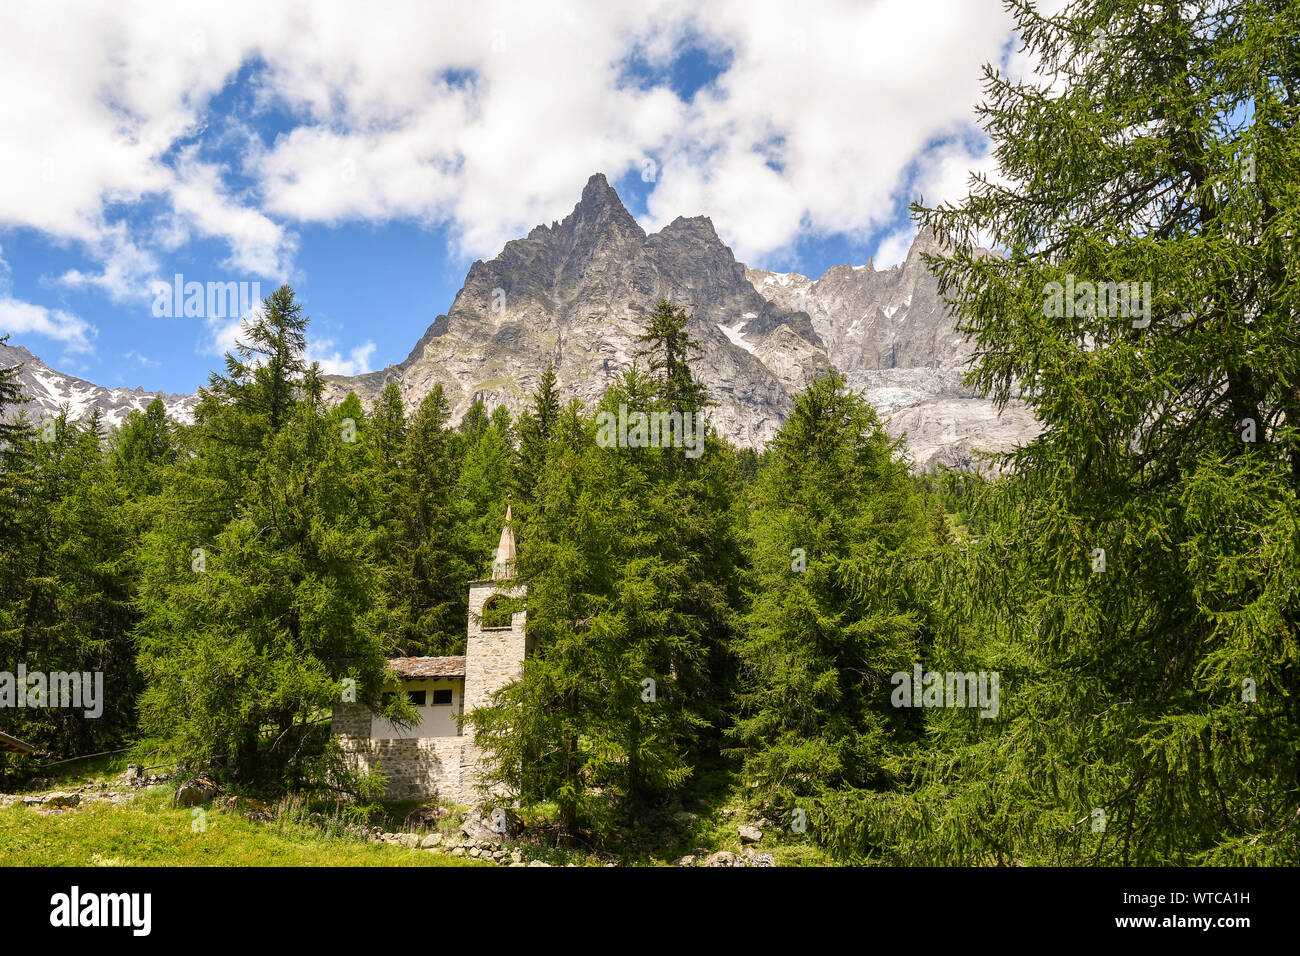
[50,391]
[874,319]
[893,336]
[577,292]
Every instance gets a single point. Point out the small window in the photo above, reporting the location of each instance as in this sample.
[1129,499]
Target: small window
[442,696]
[496,612]
[417,697]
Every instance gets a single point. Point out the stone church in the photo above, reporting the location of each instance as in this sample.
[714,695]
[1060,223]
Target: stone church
[434,760]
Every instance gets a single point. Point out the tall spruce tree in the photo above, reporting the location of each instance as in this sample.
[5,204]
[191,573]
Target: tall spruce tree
[257,592]
[671,349]
[817,654]
[431,570]
[536,427]
[1139,583]
[625,558]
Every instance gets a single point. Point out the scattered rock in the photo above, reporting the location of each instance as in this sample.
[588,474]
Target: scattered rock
[538,863]
[497,823]
[687,860]
[132,776]
[431,841]
[750,834]
[195,791]
[721,858]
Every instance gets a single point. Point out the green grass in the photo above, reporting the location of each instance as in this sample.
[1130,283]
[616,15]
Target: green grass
[150,832]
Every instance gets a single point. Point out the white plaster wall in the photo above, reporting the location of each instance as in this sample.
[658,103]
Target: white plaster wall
[436,720]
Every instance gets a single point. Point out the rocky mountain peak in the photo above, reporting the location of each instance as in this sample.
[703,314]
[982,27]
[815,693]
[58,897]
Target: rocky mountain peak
[600,214]
[697,225]
[578,292]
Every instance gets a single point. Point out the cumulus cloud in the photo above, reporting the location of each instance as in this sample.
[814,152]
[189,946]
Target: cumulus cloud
[486,117]
[332,361]
[17,316]
[127,269]
[25,317]
[893,248]
[223,334]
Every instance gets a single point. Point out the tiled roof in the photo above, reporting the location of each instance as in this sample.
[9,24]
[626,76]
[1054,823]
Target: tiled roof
[427,666]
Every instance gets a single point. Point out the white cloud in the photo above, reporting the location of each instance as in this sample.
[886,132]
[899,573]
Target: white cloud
[134,356]
[18,317]
[258,245]
[358,360]
[127,269]
[27,318]
[332,361]
[223,334]
[488,117]
[893,248]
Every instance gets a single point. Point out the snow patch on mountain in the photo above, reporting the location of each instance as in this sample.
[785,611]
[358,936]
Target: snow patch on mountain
[732,332]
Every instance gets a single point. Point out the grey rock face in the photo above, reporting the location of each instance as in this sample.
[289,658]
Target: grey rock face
[869,319]
[893,336]
[578,293]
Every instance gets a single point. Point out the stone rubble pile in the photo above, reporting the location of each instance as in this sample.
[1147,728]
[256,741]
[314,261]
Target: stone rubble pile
[457,844]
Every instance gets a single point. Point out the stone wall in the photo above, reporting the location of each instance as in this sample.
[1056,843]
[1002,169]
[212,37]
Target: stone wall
[494,656]
[419,768]
[350,720]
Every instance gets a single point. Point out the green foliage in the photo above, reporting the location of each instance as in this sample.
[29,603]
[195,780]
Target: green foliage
[626,555]
[831,500]
[425,558]
[1130,574]
[65,584]
[1165,154]
[255,611]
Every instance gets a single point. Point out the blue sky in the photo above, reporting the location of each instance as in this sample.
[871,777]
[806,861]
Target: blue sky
[368,162]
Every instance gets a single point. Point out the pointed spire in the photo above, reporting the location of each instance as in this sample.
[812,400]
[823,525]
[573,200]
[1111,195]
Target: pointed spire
[503,567]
